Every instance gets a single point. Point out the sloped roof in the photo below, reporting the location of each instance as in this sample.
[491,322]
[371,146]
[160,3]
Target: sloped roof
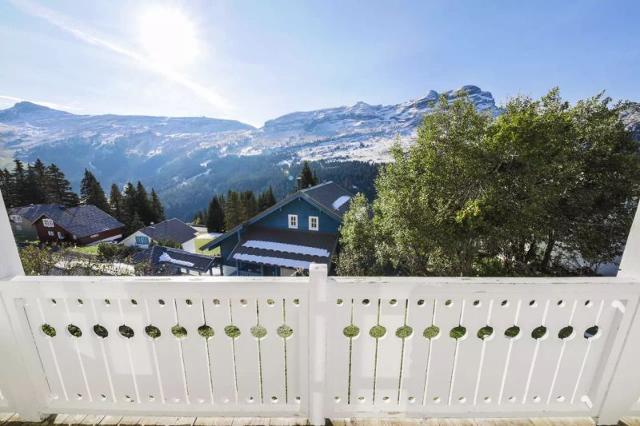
[171,229]
[324,196]
[81,221]
[159,255]
[283,247]
[331,195]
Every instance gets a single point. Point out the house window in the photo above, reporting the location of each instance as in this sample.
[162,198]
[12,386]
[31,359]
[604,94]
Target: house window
[51,233]
[142,240]
[313,223]
[16,218]
[60,236]
[293,221]
[47,223]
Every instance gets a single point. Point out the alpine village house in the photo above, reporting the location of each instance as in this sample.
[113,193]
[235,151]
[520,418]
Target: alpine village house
[53,223]
[286,238]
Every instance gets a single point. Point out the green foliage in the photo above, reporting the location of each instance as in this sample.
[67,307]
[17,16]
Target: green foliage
[358,240]
[527,193]
[91,192]
[36,261]
[307,177]
[37,184]
[108,252]
[215,215]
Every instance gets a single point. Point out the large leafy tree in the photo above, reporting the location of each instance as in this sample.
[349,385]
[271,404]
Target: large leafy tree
[522,194]
[358,240]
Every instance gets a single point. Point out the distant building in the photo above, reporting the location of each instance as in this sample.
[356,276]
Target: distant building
[287,237]
[53,223]
[173,230]
[170,261]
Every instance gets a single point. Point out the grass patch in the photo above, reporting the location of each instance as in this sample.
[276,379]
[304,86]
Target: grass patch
[87,250]
[200,242]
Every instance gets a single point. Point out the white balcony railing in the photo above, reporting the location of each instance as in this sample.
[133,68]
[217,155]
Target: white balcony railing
[320,346]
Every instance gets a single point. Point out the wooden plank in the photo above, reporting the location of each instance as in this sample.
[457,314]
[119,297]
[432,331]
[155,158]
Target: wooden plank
[390,356]
[416,357]
[272,352]
[221,360]
[363,352]
[338,354]
[243,311]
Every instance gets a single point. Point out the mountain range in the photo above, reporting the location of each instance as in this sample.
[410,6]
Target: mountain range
[189,159]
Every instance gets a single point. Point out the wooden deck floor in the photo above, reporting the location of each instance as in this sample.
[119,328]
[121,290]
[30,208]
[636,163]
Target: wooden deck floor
[63,419]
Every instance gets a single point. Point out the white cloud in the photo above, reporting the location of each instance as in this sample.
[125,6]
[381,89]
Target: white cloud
[208,95]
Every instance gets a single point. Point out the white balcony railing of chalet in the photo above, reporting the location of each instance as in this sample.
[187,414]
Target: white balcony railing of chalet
[320,346]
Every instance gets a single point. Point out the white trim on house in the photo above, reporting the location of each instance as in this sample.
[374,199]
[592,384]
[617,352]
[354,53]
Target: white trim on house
[313,227]
[47,223]
[293,221]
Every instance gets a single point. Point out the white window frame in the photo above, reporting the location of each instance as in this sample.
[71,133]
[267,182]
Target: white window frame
[47,223]
[16,218]
[51,233]
[314,228]
[60,235]
[293,224]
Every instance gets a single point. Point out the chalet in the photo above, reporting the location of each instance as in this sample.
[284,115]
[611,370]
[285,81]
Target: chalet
[173,230]
[54,223]
[170,261]
[286,238]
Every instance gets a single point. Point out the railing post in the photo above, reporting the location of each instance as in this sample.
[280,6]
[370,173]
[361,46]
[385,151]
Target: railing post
[16,381]
[624,388]
[317,342]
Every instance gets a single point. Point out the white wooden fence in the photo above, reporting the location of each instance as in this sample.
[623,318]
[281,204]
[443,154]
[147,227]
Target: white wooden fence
[320,346]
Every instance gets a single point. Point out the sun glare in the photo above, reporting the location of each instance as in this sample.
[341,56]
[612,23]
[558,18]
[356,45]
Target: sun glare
[168,37]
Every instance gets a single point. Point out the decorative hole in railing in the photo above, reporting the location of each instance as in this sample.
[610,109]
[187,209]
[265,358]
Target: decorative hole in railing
[539,332]
[152,331]
[232,331]
[205,331]
[179,331]
[48,330]
[100,331]
[126,331]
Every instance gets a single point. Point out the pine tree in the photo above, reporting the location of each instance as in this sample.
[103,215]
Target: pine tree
[135,224]
[91,193]
[116,205]
[215,215]
[143,204]
[307,177]
[157,209]
[6,187]
[232,210]
[20,196]
[34,183]
[129,209]
[58,188]
[248,205]
[266,199]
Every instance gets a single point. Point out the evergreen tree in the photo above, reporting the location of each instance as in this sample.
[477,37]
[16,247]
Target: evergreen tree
[129,206]
[135,224]
[143,204]
[157,210]
[20,195]
[116,204]
[248,205]
[58,188]
[307,177]
[232,210]
[35,184]
[266,200]
[92,193]
[215,215]
[6,187]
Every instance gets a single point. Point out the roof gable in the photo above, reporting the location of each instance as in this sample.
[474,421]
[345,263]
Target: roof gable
[322,196]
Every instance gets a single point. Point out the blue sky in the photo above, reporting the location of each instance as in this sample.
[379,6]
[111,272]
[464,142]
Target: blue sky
[256,60]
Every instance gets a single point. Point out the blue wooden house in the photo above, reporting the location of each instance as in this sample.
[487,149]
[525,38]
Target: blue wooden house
[287,237]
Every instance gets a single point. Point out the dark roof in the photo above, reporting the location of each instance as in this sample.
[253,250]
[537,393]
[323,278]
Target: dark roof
[283,247]
[159,255]
[81,221]
[330,193]
[322,196]
[171,229]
